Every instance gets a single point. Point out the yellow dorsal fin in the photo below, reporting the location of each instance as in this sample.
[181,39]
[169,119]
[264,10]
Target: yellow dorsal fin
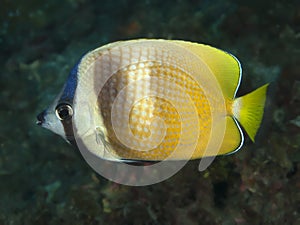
[225,67]
[249,109]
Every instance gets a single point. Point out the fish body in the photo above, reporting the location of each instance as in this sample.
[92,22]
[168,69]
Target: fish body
[142,99]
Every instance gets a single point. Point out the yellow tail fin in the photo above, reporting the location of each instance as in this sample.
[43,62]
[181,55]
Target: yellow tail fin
[249,109]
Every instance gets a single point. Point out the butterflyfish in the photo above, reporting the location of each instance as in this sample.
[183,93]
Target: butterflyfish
[153,99]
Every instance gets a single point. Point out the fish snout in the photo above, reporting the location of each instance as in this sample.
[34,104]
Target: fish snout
[41,118]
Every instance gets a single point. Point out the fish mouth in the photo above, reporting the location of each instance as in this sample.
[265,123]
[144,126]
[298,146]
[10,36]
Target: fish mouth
[40,118]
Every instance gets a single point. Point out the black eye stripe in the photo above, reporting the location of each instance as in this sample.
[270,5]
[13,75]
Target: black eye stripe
[64,111]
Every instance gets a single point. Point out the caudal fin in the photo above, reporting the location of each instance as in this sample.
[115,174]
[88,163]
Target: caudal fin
[249,109]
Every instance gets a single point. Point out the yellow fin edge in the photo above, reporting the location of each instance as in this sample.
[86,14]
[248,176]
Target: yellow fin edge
[249,110]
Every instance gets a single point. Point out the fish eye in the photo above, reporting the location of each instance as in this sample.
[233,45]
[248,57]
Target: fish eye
[64,111]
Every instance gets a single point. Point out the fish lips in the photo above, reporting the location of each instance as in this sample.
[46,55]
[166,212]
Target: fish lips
[41,118]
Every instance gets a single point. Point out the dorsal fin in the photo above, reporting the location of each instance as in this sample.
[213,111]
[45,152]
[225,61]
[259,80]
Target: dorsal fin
[226,67]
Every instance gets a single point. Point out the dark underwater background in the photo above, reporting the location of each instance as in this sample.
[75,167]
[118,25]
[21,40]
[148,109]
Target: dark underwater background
[43,180]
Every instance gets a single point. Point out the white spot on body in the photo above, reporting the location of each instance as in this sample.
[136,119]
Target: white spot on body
[132,67]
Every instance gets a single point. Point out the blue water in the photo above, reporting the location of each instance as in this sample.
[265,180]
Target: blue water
[44,180]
